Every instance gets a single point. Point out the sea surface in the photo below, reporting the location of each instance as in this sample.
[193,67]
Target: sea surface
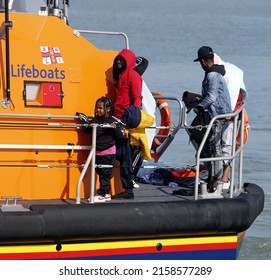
[169,33]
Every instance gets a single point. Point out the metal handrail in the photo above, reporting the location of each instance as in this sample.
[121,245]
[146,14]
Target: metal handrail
[90,158]
[42,147]
[181,124]
[77,33]
[39,121]
[235,153]
[175,128]
[41,116]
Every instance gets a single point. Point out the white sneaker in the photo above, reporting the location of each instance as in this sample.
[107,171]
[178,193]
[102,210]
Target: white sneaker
[107,197]
[135,185]
[100,198]
[225,185]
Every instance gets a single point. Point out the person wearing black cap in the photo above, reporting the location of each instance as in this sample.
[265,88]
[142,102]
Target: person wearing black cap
[215,99]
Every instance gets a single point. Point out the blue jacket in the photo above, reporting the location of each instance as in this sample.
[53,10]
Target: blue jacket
[131,117]
[215,93]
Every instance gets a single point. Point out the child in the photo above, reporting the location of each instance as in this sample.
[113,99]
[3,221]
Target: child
[105,145]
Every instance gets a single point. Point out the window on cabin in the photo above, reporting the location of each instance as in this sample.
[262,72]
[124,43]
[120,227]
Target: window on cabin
[43,94]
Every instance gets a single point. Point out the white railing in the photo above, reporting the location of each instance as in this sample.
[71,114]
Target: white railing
[181,124]
[91,158]
[234,154]
[77,33]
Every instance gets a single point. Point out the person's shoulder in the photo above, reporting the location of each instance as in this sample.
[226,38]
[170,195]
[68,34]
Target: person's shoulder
[134,74]
[214,75]
[94,120]
[109,119]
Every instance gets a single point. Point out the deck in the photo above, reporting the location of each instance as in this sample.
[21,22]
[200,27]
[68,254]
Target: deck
[145,193]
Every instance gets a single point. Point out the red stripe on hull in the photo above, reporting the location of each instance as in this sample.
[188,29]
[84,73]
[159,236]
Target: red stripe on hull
[122,251]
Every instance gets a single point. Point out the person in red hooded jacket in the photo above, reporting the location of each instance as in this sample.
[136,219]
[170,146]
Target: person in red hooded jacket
[128,84]
[127,81]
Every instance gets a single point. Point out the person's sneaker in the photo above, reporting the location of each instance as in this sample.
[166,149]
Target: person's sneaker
[135,185]
[123,195]
[100,198]
[226,185]
[107,197]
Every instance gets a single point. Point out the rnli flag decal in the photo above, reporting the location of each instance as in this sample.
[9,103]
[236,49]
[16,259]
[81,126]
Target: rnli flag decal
[51,55]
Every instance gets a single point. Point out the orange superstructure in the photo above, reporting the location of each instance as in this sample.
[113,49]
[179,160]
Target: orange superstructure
[54,73]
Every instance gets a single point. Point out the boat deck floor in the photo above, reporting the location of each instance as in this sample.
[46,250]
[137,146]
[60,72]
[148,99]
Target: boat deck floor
[145,193]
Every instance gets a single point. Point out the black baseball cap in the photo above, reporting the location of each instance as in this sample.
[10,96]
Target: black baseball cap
[204,52]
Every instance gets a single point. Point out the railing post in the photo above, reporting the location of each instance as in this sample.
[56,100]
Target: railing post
[78,189]
[90,157]
[241,148]
[233,154]
[92,186]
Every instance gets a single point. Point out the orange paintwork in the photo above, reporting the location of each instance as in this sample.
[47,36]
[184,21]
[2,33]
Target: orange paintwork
[87,71]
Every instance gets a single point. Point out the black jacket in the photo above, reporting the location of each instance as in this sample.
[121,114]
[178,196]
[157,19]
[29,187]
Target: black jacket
[191,100]
[106,136]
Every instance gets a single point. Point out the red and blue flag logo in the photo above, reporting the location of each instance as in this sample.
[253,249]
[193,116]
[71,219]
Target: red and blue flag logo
[51,55]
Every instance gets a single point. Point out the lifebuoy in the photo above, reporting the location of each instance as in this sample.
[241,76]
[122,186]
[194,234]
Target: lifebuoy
[246,129]
[165,121]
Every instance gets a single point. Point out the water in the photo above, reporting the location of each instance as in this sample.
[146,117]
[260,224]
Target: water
[168,33]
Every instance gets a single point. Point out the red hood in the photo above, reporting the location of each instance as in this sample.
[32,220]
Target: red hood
[130,58]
